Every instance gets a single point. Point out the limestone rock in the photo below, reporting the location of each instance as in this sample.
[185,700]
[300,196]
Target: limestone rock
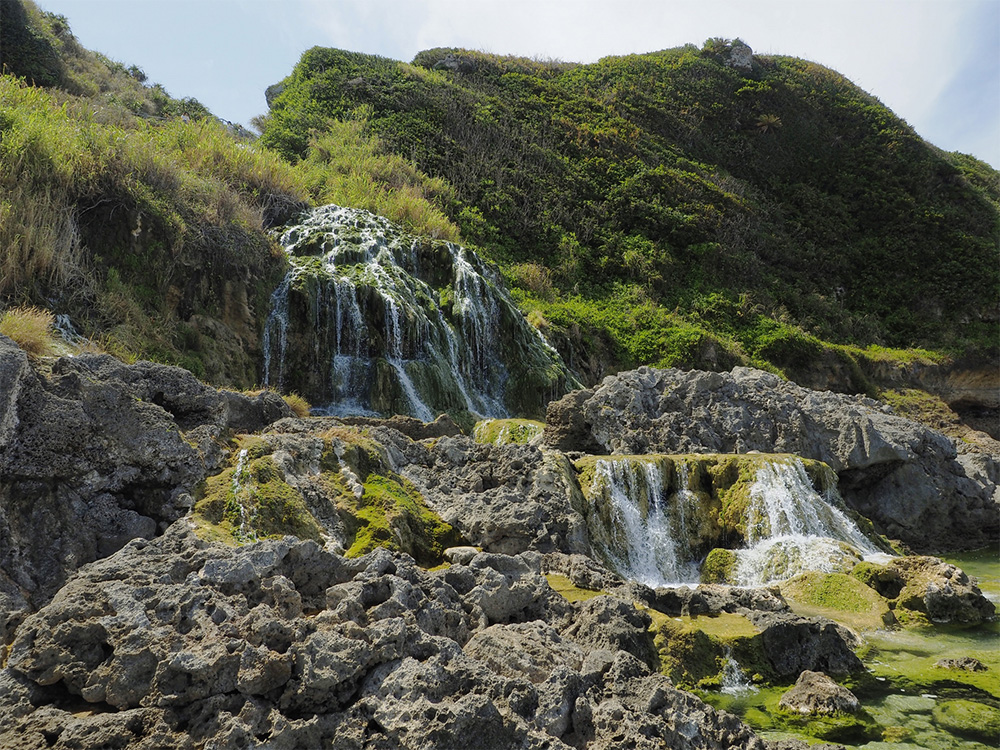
[96,453]
[906,478]
[794,644]
[178,643]
[815,693]
[964,663]
[926,585]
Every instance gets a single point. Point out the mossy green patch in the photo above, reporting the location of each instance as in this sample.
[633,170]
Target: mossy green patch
[391,513]
[693,650]
[840,597]
[569,590]
[252,504]
[970,719]
[719,566]
[507,431]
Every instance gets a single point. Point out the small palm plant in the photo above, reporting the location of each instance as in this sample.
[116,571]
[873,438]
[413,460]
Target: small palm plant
[768,123]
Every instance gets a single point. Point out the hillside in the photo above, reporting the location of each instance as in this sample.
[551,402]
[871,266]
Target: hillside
[684,207]
[689,207]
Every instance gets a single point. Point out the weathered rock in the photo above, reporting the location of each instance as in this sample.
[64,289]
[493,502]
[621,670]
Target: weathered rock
[903,476]
[794,644]
[964,663]
[95,454]
[178,643]
[502,498]
[815,693]
[926,585]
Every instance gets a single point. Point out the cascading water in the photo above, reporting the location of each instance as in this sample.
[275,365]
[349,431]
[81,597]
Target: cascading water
[371,320]
[792,528]
[734,680]
[644,535]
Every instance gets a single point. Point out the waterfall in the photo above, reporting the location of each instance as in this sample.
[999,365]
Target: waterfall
[792,528]
[735,680]
[645,535]
[386,322]
[239,492]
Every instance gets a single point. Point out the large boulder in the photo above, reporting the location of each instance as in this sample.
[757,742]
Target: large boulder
[815,693]
[94,453]
[911,481]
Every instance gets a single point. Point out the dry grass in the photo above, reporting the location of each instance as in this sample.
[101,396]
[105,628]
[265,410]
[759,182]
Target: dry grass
[31,328]
[299,405]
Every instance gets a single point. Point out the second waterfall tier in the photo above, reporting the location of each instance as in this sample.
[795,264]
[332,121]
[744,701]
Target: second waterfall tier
[741,519]
[371,320]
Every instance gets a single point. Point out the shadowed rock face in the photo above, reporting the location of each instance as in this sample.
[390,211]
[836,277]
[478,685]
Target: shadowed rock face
[916,484]
[98,453]
[175,643]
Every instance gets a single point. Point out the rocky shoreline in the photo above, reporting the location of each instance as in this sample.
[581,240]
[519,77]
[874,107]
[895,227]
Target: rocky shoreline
[129,617]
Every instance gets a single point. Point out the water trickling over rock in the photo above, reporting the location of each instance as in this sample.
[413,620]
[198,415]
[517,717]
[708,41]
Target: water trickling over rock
[371,320]
[638,525]
[793,528]
[654,518]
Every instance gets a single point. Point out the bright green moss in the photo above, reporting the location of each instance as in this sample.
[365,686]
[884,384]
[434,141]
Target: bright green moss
[391,513]
[719,566]
[507,431]
[840,597]
[970,719]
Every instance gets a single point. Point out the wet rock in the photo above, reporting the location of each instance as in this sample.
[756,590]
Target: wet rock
[815,693]
[794,644]
[906,478]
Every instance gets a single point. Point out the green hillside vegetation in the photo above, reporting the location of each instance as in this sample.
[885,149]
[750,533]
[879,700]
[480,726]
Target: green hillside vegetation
[672,209]
[150,231]
[664,209]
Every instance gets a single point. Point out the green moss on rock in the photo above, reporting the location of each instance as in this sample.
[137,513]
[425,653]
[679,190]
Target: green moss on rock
[391,513]
[840,597]
[719,566]
[507,431]
[970,719]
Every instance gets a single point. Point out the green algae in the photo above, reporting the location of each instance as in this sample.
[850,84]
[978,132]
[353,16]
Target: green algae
[969,719]
[392,514]
[569,591]
[257,504]
[838,597]
[507,431]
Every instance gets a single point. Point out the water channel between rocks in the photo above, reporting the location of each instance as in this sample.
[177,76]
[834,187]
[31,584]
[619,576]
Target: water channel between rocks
[905,691]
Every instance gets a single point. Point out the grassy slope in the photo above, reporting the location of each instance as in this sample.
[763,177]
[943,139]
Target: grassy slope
[151,232]
[669,209]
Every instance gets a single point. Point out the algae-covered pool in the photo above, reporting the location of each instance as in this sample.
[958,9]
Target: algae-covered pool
[908,702]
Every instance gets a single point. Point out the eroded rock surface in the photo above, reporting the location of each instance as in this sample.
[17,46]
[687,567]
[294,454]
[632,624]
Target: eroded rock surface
[178,643]
[908,479]
[97,453]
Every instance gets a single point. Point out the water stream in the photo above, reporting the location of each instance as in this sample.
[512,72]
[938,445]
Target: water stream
[371,320]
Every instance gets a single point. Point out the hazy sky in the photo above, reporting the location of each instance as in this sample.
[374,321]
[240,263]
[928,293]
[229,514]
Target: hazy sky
[936,63]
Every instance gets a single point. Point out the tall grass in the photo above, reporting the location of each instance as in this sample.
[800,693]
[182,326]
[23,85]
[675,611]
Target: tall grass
[31,329]
[348,166]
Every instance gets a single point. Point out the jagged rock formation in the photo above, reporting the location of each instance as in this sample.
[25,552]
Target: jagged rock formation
[173,639]
[98,453]
[913,482]
[181,644]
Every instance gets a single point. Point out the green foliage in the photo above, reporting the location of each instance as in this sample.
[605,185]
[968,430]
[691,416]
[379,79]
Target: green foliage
[629,196]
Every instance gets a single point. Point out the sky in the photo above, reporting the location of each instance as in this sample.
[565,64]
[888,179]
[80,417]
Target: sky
[935,63]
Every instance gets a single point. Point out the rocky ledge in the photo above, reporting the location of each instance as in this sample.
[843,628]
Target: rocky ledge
[150,595]
[915,484]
